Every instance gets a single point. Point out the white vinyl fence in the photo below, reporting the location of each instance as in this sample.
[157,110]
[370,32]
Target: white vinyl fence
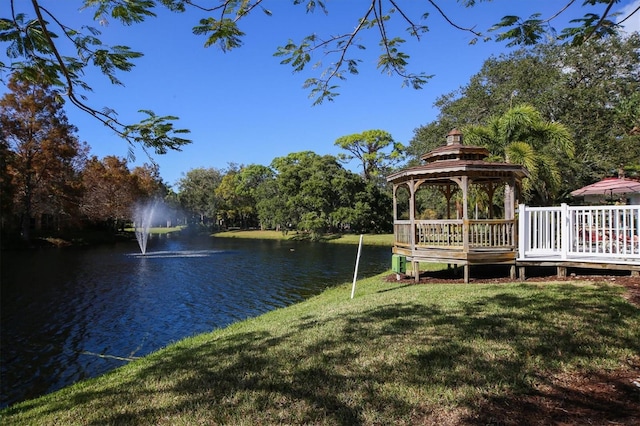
[604,234]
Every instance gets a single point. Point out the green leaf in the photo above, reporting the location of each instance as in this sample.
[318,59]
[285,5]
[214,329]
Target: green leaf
[526,33]
[590,27]
[296,56]
[224,33]
[311,5]
[320,90]
[157,133]
[128,12]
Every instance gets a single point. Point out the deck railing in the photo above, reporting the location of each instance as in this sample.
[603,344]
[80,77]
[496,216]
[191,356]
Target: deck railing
[457,234]
[571,232]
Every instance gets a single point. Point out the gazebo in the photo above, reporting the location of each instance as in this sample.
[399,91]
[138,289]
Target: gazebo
[456,173]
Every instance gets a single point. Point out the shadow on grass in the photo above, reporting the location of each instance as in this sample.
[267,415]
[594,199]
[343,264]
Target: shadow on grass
[405,363]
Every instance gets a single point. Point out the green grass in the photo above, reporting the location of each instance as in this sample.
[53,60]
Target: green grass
[395,354]
[254,234]
[160,230]
[369,239]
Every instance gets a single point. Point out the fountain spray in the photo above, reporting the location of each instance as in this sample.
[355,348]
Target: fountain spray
[142,218]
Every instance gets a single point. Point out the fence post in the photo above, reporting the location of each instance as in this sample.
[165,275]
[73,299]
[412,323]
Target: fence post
[564,231]
[522,230]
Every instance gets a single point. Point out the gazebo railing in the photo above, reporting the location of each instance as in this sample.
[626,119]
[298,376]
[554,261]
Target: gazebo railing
[439,233]
[402,233]
[492,233]
[480,233]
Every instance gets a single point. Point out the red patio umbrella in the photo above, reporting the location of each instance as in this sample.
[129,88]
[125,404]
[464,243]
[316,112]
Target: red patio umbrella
[609,186]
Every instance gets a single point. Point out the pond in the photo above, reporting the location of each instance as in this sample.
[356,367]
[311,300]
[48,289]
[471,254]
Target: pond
[72,314]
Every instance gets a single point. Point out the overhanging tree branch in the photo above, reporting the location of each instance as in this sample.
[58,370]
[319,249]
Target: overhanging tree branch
[35,44]
[600,22]
[160,136]
[471,30]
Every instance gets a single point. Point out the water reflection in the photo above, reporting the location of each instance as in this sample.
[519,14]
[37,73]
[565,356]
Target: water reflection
[166,254]
[71,314]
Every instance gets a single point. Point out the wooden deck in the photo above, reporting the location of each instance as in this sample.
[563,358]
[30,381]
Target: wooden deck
[598,237]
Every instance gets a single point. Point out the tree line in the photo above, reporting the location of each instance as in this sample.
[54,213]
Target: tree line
[570,114]
[48,181]
[301,191]
[51,185]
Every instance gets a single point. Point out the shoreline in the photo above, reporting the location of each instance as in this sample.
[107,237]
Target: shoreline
[368,239]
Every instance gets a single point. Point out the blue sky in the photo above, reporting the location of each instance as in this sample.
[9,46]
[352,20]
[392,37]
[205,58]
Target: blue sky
[244,107]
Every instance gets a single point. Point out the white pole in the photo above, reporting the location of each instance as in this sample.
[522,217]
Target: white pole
[355,273]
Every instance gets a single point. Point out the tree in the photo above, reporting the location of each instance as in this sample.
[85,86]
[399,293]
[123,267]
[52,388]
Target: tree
[316,194]
[372,211]
[588,88]
[197,193]
[598,80]
[234,209]
[240,192]
[271,206]
[7,191]
[36,45]
[110,191]
[251,180]
[299,196]
[304,182]
[43,61]
[368,148]
[628,118]
[45,158]
[174,212]
[521,136]
[148,183]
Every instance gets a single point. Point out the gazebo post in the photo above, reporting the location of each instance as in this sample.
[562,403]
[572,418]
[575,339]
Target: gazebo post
[509,198]
[465,222]
[465,197]
[509,213]
[395,202]
[448,198]
[412,221]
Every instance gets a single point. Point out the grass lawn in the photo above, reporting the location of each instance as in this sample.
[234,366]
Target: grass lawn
[369,239]
[395,354]
[159,230]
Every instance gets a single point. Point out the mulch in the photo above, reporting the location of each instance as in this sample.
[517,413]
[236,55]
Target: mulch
[605,398]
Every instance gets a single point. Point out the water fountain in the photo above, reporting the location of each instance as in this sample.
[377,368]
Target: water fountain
[142,218]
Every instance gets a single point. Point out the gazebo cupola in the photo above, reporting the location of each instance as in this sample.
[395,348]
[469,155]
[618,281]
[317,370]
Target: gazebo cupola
[454,150]
[452,170]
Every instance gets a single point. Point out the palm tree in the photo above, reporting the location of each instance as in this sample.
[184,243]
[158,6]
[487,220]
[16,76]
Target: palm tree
[522,136]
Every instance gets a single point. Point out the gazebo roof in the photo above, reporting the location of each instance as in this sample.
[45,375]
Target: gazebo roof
[456,160]
[480,171]
[455,150]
